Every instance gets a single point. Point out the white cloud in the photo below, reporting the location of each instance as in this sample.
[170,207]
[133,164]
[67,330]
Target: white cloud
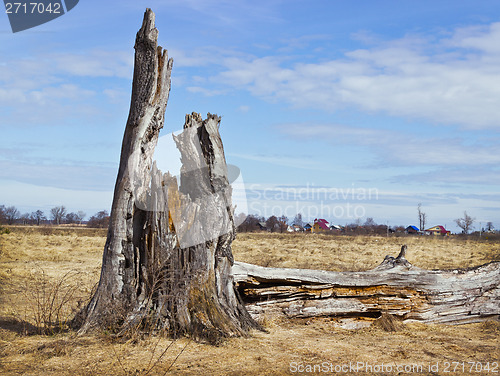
[204,91]
[437,80]
[95,63]
[244,108]
[480,38]
[44,89]
[22,195]
[116,96]
[283,160]
[455,176]
[46,105]
[87,177]
[394,148]
[47,68]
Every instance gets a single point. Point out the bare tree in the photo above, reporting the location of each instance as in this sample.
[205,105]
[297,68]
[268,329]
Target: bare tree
[489,226]
[465,223]
[239,218]
[369,222]
[11,214]
[38,216]
[283,223]
[57,214]
[25,218]
[80,215]
[298,220]
[99,220]
[71,217]
[250,224]
[272,223]
[422,218]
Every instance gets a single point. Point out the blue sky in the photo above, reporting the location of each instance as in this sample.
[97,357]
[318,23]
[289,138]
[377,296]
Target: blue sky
[336,109]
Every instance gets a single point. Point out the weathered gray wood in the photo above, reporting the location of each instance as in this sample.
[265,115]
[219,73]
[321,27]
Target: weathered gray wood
[395,287]
[167,259]
[150,91]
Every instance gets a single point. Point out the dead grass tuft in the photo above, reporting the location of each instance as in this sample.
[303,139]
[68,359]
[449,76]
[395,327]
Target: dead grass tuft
[388,323]
[51,303]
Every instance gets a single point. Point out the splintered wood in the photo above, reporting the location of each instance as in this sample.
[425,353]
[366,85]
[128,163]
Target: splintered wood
[394,287]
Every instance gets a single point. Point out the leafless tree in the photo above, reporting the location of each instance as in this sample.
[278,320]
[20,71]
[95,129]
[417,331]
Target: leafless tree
[272,223]
[489,226]
[250,224]
[99,220]
[25,218]
[11,214]
[298,220]
[422,218]
[465,223]
[75,217]
[71,218]
[37,217]
[283,223]
[370,222]
[57,214]
[80,215]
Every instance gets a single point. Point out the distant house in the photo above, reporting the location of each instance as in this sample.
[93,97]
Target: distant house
[307,227]
[297,228]
[437,230]
[320,225]
[262,226]
[335,228]
[412,230]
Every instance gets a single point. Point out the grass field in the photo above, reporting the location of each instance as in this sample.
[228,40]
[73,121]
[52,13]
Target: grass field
[37,264]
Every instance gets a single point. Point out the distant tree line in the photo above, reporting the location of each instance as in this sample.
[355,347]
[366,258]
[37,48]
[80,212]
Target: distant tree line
[247,223]
[273,223]
[10,215]
[253,223]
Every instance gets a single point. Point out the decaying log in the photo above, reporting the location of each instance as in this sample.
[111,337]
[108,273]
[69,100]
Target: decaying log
[167,259]
[394,287]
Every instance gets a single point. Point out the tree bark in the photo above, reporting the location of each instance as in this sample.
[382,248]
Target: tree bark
[167,259]
[394,287]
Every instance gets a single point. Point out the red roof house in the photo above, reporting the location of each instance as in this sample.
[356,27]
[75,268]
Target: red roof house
[320,225]
[438,230]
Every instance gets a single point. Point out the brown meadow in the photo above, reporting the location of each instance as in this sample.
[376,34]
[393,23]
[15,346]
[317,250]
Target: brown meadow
[33,261]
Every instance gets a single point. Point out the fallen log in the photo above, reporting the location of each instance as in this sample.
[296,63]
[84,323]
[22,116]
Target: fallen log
[394,287]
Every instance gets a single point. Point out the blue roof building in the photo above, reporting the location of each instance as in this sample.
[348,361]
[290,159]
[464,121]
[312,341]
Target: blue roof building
[412,230]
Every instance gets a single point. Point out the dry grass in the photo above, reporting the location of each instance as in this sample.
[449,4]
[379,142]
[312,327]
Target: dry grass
[342,253]
[23,252]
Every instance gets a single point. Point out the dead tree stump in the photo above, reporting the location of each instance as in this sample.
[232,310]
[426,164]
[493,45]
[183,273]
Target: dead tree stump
[167,259]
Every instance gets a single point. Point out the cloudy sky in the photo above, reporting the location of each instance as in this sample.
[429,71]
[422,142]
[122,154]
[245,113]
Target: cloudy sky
[335,109]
